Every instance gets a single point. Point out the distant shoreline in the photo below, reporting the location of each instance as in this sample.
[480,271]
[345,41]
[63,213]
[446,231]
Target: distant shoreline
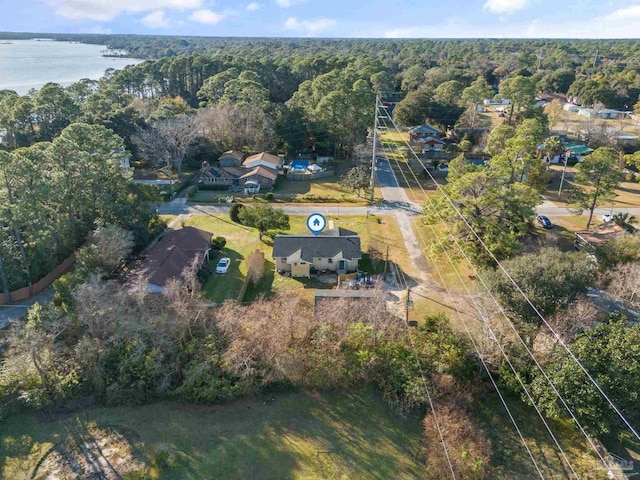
[30,64]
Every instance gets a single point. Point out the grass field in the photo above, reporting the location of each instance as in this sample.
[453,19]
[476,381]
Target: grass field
[427,234]
[512,460]
[293,436]
[562,235]
[167,218]
[241,241]
[627,193]
[281,436]
[321,192]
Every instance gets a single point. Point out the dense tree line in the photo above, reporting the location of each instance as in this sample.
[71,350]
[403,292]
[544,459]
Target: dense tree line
[53,194]
[316,92]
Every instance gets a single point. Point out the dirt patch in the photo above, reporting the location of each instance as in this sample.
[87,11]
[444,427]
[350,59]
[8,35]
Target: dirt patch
[93,453]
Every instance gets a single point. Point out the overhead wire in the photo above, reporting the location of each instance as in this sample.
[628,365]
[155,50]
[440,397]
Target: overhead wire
[501,310]
[421,370]
[513,369]
[521,292]
[480,356]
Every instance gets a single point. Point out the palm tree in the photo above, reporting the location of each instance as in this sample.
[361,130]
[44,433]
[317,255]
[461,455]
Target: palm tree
[625,221]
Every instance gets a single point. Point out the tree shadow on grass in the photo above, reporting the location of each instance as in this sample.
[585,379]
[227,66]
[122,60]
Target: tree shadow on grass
[223,286]
[264,286]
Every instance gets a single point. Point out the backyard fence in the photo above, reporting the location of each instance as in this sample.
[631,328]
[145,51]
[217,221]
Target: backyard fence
[249,277]
[310,176]
[40,285]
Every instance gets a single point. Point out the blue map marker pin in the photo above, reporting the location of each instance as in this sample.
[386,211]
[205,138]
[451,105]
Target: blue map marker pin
[316,223]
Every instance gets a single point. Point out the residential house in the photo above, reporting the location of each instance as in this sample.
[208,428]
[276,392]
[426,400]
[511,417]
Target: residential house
[169,258]
[218,177]
[621,138]
[231,158]
[263,159]
[265,177]
[604,113]
[237,177]
[424,131]
[431,143]
[335,250]
[570,107]
[491,101]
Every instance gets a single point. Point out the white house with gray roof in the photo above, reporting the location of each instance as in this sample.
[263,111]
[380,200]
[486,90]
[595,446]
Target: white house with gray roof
[335,250]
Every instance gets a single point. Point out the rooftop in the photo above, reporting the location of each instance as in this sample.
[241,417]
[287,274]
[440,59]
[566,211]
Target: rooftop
[325,245]
[425,129]
[176,251]
[232,153]
[267,157]
[261,171]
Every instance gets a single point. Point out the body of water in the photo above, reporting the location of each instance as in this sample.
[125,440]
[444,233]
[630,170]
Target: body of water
[27,64]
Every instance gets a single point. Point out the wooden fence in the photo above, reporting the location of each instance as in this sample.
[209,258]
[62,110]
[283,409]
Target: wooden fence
[40,285]
[309,176]
[247,279]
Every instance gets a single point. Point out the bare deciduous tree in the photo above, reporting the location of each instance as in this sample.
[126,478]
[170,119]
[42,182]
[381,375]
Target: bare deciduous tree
[236,127]
[112,244]
[168,141]
[625,284]
[255,263]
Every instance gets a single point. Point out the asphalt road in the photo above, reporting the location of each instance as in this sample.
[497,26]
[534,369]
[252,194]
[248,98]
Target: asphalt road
[10,313]
[385,207]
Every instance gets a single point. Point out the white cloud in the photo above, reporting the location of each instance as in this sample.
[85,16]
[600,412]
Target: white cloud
[107,10]
[288,3]
[621,23]
[155,20]
[505,6]
[207,16]
[253,6]
[309,27]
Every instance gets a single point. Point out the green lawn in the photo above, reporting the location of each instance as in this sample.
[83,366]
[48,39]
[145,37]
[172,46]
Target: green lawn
[427,234]
[562,234]
[284,436]
[376,233]
[510,456]
[394,137]
[321,192]
[627,193]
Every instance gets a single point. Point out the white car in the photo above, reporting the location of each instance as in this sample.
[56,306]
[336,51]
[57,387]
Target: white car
[223,265]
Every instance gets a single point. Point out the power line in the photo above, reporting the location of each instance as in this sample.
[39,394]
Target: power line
[507,359]
[582,430]
[511,417]
[521,292]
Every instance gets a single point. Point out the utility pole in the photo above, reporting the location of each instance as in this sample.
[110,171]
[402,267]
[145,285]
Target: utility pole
[566,161]
[386,264]
[406,306]
[372,182]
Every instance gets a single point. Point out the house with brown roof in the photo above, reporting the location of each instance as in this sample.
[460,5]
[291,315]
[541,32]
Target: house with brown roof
[263,159]
[169,258]
[237,177]
[231,158]
[265,177]
[217,177]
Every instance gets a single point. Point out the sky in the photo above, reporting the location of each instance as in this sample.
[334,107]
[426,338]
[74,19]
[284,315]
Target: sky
[329,18]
